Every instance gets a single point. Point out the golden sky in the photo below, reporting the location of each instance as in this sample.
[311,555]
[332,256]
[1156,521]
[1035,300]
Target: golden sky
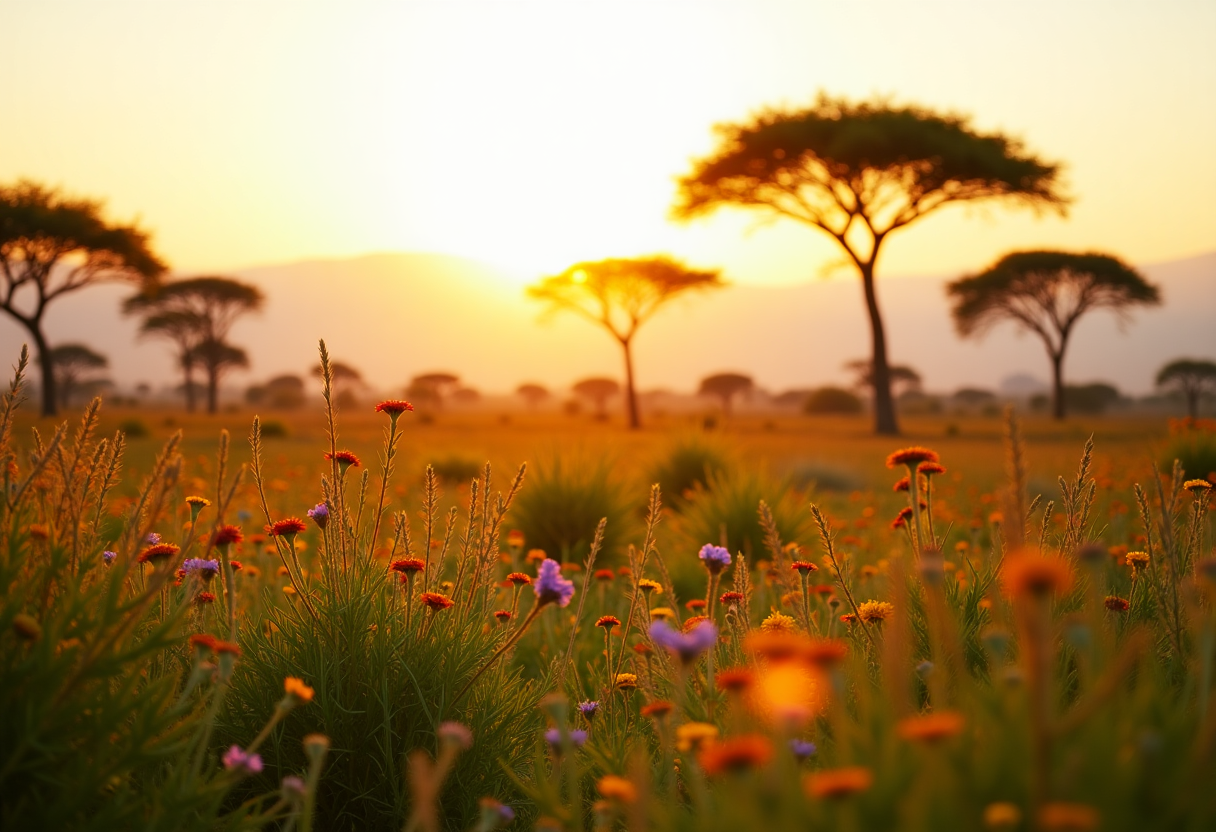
[534,134]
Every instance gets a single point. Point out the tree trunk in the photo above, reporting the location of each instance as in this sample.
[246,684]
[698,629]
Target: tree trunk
[188,390]
[1192,401]
[631,399]
[50,399]
[885,423]
[213,384]
[1057,385]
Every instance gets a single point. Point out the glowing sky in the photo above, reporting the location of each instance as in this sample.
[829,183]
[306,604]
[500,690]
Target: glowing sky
[534,134]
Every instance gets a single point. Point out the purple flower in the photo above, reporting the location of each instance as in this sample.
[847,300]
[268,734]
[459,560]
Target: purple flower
[242,761]
[152,539]
[455,734]
[293,787]
[550,586]
[715,558]
[494,813]
[802,749]
[554,737]
[108,556]
[319,514]
[206,569]
[685,645]
[588,709]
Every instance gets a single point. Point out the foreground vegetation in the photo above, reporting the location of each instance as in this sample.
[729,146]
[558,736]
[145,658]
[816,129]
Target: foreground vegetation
[294,633]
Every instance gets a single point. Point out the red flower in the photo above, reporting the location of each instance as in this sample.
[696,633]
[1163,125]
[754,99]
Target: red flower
[657,709]
[695,604]
[436,602]
[930,468]
[408,565]
[608,622]
[734,680]
[826,652]
[519,579]
[345,459]
[230,647]
[205,598]
[159,551]
[226,536]
[203,640]
[1116,604]
[604,574]
[289,527]
[236,565]
[902,484]
[804,567]
[912,457]
[503,616]
[735,754]
[394,408]
[731,598]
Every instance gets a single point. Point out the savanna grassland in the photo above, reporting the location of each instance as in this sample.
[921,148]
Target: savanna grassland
[339,619]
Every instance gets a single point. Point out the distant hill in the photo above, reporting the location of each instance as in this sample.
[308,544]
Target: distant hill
[394,315]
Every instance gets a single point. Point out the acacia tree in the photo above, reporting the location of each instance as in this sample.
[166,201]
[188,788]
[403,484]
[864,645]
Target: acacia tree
[52,245]
[1189,376]
[201,312]
[900,375]
[432,387]
[72,363]
[184,330]
[859,172]
[1047,292]
[599,391]
[620,295]
[725,386]
[532,393]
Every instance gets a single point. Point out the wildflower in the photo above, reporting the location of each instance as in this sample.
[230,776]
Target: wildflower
[692,735]
[848,618]
[494,813]
[875,611]
[1068,817]
[297,690]
[714,557]
[203,642]
[1116,604]
[804,567]
[802,749]
[648,586]
[455,734]
[1000,817]
[152,539]
[197,504]
[626,681]
[617,788]
[320,515]
[730,598]
[912,457]
[604,575]
[657,709]
[38,531]
[394,408]
[734,679]
[226,536]
[1091,553]
[1197,487]
[1136,560]
[608,622]
[206,569]
[578,737]
[293,788]
[27,627]
[695,604]
[345,459]
[687,646]
[693,621]
[778,622]
[241,761]
[205,598]
[904,483]
[519,579]
[407,566]
[435,602]
[503,616]
[158,551]
[835,783]
[932,727]
[735,754]
[108,557]
[588,709]
[929,469]
[1035,575]
[550,586]
[642,649]
[825,652]
[662,613]
[536,555]
[287,528]
[315,745]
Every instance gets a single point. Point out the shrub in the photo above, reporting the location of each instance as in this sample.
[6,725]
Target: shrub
[820,476]
[686,466]
[274,429]
[456,469]
[827,400]
[1192,443]
[134,428]
[563,503]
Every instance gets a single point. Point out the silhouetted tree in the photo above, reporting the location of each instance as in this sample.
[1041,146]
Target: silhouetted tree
[205,310]
[432,388]
[827,400]
[346,379]
[620,295]
[532,393]
[599,391]
[725,386]
[899,374]
[466,395]
[1189,376]
[859,172]
[1047,292]
[50,245]
[184,329]
[72,364]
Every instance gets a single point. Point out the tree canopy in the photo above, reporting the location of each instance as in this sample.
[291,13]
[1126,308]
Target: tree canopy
[1190,376]
[598,390]
[725,386]
[52,244]
[1047,292]
[72,363]
[859,171]
[619,295]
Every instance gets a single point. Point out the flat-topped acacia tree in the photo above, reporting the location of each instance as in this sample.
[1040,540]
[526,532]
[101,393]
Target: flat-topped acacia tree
[859,172]
[52,245]
[620,295]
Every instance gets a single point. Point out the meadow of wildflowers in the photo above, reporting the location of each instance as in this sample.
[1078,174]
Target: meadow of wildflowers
[252,656]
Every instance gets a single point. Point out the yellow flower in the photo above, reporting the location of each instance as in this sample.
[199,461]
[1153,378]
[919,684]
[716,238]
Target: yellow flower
[194,500]
[870,611]
[662,612]
[692,735]
[626,681]
[650,586]
[1137,560]
[778,622]
[617,788]
[297,690]
[1197,487]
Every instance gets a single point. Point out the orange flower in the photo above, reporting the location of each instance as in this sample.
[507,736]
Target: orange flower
[734,679]
[657,709]
[159,551]
[503,616]
[911,457]
[695,604]
[729,598]
[345,459]
[804,567]
[617,788]
[1116,604]
[1036,575]
[871,611]
[836,783]
[436,602]
[928,469]
[692,622]
[519,579]
[1068,817]
[774,645]
[297,690]
[289,527]
[735,754]
[608,622]
[826,652]
[226,536]
[394,408]
[931,728]
[408,565]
